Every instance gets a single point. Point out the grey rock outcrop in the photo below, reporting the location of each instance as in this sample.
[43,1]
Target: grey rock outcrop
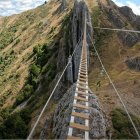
[128,39]
[63,5]
[128,13]
[115,15]
[78,22]
[133,63]
[63,113]
[97,119]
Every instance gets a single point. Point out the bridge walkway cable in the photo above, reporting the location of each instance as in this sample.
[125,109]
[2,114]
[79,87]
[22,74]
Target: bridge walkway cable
[80,104]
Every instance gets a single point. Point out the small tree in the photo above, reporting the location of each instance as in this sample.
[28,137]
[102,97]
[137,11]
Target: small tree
[35,70]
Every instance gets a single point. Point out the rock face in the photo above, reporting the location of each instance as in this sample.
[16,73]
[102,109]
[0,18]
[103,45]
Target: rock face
[78,22]
[63,113]
[63,5]
[130,16]
[128,39]
[133,63]
[115,18]
[97,120]
[120,17]
[128,13]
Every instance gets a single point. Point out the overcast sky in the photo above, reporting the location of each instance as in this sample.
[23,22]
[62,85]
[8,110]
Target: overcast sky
[9,7]
[134,4]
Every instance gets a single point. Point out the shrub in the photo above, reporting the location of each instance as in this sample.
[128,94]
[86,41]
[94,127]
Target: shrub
[28,88]
[20,98]
[17,41]
[35,70]
[1,46]
[36,49]
[122,125]
[16,125]
[12,52]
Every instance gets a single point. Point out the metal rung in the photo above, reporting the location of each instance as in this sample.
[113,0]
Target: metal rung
[81,106]
[73,138]
[81,115]
[79,126]
[80,98]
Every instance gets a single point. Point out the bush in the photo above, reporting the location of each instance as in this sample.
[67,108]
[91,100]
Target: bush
[20,98]
[35,70]
[36,49]
[28,88]
[17,41]
[26,115]
[122,125]
[16,125]
[1,46]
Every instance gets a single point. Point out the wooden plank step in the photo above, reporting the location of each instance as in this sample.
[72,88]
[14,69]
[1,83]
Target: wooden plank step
[81,115]
[83,69]
[84,76]
[81,106]
[83,60]
[82,79]
[84,73]
[79,126]
[73,138]
[83,83]
[80,98]
[83,63]
[80,92]
[83,66]
[82,87]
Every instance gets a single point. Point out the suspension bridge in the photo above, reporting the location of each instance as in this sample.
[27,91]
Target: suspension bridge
[80,103]
[81,97]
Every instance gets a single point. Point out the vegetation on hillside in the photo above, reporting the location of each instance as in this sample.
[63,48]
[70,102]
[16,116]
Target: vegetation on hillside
[15,126]
[123,128]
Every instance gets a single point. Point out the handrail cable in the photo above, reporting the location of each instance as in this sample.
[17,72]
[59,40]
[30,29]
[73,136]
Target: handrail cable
[36,123]
[121,30]
[117,92]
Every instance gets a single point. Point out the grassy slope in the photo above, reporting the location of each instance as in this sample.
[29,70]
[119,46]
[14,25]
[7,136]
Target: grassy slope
[33,27]
[38,26]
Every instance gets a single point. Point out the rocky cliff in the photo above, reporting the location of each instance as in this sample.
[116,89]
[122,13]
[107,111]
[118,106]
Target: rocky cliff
[121,17]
